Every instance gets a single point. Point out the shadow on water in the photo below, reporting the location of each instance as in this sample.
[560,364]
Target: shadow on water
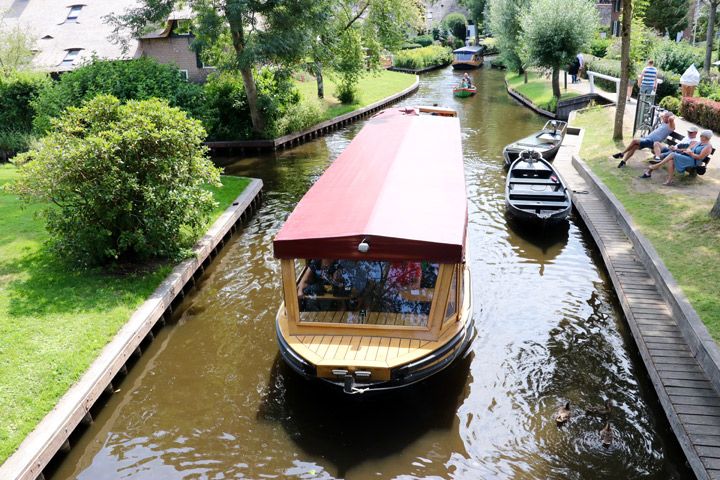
[349,430]
[537,244]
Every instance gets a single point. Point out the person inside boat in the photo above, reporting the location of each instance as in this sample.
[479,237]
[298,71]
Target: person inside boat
[322,277]
[402,277]
[466,82]
[359,279]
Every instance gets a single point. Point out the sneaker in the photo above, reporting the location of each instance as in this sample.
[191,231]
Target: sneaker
[621,164]
[618,155]
[646,174]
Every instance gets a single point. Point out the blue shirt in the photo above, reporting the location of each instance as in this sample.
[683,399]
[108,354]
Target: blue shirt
[649,74]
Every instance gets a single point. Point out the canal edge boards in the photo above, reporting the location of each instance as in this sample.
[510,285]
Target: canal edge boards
[525,101]
[315,131]
[694,332]
[51,435]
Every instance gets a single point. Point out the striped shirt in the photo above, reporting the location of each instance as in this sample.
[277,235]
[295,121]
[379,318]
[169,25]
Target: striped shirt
[649,74]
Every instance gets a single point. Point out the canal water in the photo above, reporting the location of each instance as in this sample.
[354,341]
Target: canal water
[210,398]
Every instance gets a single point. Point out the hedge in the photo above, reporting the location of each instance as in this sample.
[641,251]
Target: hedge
[669,87]
[702,111]
[17,92]
[677,57]
[423,57]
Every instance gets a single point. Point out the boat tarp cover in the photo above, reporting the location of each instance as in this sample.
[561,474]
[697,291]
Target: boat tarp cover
[470,49]
[399,185]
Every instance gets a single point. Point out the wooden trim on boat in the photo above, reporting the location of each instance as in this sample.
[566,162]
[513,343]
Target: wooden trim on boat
[291,303]
[439,304]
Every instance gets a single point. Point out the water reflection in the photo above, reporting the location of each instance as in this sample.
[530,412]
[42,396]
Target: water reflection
[210,398]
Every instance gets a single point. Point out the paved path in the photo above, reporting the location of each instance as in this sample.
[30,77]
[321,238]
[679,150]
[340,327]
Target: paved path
[690,402]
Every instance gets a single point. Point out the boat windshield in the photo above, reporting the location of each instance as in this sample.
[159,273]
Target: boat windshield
[373,292]
[464,57]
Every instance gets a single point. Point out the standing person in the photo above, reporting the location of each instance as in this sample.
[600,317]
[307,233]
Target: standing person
[648,78]
[574,69]
[581,66]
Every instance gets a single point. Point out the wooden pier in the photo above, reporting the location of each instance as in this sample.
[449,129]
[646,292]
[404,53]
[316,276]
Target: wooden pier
[680,357]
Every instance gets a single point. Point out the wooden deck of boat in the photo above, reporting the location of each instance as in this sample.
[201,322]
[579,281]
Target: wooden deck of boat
[375,351]
[372,318]
[691,403]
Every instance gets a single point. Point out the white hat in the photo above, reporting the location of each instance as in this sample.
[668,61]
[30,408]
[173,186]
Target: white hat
[706,133]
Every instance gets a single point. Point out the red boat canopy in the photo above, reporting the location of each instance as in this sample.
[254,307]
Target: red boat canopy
[399,186]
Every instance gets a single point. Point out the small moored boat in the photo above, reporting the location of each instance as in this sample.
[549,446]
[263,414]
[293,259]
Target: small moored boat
[464,91]
[547,142]
[534,191]
[467,58]
[376,288]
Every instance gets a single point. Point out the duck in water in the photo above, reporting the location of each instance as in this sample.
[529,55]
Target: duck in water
[563,414]
[606,435]
[600,411]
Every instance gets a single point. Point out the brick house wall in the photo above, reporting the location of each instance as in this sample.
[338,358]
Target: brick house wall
[175,50]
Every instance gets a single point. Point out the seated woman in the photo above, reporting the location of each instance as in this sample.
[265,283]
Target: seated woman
[402,277]
[681,160]
[322,277]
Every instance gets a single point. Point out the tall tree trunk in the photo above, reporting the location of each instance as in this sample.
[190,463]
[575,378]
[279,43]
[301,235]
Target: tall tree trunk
[624,68]
[238,39]
[319,79]
[712,10]
[556,82]
[715,212]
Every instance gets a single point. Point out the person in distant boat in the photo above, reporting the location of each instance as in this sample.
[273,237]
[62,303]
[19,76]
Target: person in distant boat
[466,82]
[667,126]
[681,160]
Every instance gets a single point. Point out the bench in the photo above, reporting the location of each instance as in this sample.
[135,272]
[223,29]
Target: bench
[674,138]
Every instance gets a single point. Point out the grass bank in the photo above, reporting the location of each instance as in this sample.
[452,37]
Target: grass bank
[371,88]
[674,219]
[538,89]
[54,321]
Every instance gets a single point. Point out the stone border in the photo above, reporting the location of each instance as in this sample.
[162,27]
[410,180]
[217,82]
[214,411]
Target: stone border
[526,101]
[701,344]
[315,131]
[51,435]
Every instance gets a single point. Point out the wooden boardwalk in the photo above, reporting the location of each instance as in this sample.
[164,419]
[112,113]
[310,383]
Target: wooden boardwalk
[690,401]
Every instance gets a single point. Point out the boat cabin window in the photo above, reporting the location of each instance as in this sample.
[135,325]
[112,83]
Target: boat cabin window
[372,292]
[452,297]
[464,57]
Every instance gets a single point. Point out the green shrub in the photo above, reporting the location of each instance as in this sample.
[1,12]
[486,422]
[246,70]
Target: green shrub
[410,46]
[423,40]
[605,66]
[551,106]
[670,86]
[599,46]
[228,113]
[17,92]
[702,111]
[13,142]
[709,89]
[676,57]
[300,116]
[137,79]
[423,57]
[456,25]
[671,103]
[122,182]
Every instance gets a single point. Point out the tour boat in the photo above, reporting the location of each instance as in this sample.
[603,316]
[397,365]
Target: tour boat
[467,58]
[547,142]
[375,284]
[464,91]
[535,192]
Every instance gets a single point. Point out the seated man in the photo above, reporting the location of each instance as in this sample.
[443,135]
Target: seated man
[661,150]
[320,278]
[358,279]
[667,126]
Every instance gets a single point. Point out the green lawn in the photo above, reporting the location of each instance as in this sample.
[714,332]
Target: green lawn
[53,320]
[372,88]
[538,89]
[676,223]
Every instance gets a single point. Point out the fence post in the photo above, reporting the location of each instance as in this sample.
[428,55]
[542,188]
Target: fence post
[591,77]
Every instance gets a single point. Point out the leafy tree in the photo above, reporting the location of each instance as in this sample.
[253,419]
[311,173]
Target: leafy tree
[123,182]
[137,79]
[16,47]
[668,16]
[504,20]
[712,6]
[625,29]
[554,31]
[456,25]
[249,32]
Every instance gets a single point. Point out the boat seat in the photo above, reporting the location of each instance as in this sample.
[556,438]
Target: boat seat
[533,181]
[529,193]
[544,205]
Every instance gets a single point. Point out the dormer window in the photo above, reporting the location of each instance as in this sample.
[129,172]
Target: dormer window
[74,13]
[70,57]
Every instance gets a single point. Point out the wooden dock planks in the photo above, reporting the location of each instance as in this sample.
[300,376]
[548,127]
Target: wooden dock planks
[685,392]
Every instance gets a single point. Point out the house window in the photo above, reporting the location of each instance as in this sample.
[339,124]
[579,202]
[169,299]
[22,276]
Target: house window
[184,74]
[70,57]
[618,5]
[74,13]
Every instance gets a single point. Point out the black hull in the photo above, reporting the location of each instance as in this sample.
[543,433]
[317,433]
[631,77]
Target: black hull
[402,376]
[465,66]
[511,154]
[526,217]
[535,192]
